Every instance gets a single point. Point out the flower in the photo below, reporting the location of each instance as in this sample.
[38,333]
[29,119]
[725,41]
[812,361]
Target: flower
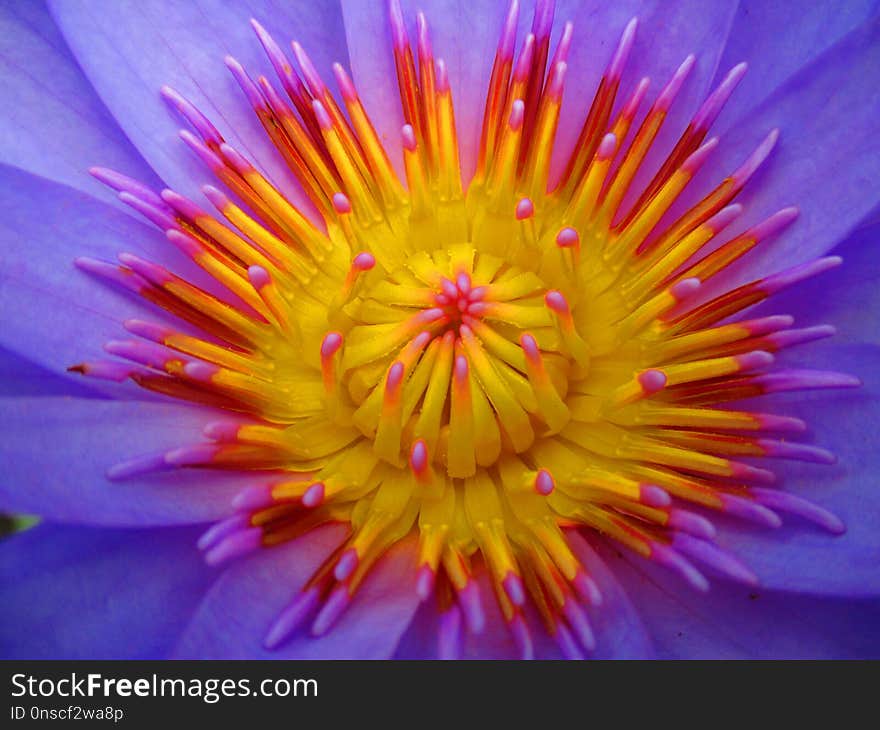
[460,414]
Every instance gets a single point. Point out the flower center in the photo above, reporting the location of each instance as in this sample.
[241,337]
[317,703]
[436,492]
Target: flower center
[548,370]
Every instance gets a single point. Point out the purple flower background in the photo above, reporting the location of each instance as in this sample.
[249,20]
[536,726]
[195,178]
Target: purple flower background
[112,570]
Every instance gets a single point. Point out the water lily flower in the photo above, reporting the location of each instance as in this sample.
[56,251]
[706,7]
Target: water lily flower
[488,329]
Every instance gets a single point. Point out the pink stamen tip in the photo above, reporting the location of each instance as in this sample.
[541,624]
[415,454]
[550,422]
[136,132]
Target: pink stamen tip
[208,157]
[568,238]
[756,159]
[248,87]
[691,523]
[478,293]
[346,85]
[635,101]
[785,502]
[449,288]
[670,91]
[196,454]
[442,77]
[696,160]
[557,302]
[341,203]
[606,147]
[543,18]
[330,344]
[425,579]
[724,218]
[150,271]
[567,644]
[556,82]
[524,63]
[669,558]
[398,30]
[408,136]
[157,216]
[309,72]
[461,369]
[330,612]
[364,261]
[564,46]
[654,496]
[217,198]
[449,634]
[773,225]
[755,360]
[259,277]
[291,618]
[713,557]
[586,588]
[314,495]
[525,208]
[395,376]
[183,206]
[578,621]
[254,497]
[147,330]
[463,282]
[750,510]
[235,545]
[544,483]
[322,116]
[431,315]
[111,272]
[136,467]
[517,115]
[222,431]
[472,607]
[189,112]
[186,243]
[346,565]
[652,381]
[200,371]
[123,184]
[685,288]
[718,98]
[424,38]
[618,61]
[514,588]
[418,458]
[237,161]
[219,530]
[521,637]
[507,41]
[529,346]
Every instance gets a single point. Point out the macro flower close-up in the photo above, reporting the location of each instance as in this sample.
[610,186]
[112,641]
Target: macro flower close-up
[500,329]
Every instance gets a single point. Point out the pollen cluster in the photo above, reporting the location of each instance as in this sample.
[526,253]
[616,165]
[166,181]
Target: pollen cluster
[485,365]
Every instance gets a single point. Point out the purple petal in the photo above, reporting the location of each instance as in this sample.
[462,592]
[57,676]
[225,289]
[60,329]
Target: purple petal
[79,593]
[827,157]
[734,622]
[463,35]
[53,313]
[53,123]
[55,453]
[130,50]
[777,39]
[20,377]
[232,624]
